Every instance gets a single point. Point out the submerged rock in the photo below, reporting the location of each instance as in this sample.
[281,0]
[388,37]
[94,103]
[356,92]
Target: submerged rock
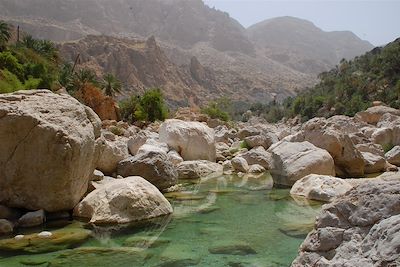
[232,247]
[192,140]
[64,238]
[123,201]
[48,146]
[198,168]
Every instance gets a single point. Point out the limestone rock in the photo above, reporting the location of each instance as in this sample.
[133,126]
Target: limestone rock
[374,114]
[112,152]
[174,157]
[32,219]
[123,201]
[258,156]
[393,156]
[97,176]
[153,165]
[373,163]
[255,168]
[240,164]
[192,140]
[293,161]
[138,140]
[48,146]
[361,228]
[320,187]
[265,140]
[198,169]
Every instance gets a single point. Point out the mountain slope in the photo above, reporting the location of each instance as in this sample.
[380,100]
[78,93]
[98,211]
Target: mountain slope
[299,44]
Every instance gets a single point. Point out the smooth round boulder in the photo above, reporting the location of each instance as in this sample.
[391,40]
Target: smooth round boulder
[123,201]
[320,187]
[293,161]
[192,140]
[48,150]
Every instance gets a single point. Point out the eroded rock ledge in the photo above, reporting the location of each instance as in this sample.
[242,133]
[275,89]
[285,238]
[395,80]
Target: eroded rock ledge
[362,228]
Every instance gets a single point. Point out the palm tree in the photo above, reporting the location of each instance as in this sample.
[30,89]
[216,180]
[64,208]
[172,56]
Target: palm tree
[82,78]
[5,34]
[110,85]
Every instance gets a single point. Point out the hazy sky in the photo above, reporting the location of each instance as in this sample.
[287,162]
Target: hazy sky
[375,21]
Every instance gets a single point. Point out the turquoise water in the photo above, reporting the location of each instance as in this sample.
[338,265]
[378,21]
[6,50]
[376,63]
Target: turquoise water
[225,221]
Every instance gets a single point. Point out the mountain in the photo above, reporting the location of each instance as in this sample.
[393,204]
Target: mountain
[270,60]
[299,44]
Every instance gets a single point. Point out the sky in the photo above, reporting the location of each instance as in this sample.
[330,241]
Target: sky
[375,21]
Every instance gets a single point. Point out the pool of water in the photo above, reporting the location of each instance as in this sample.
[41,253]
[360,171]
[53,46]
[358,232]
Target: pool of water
[223,221]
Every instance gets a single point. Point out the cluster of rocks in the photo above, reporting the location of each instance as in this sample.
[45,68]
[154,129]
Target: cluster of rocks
[58,159]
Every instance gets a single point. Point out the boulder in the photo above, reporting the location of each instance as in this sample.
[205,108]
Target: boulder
[97,176]
[198,168]
[6,227]
[265,140]
[334,135]
[112,152]
[153,165]
[31,219]
[138,140]
[123,201]
[257,156]
[174,157]
[373,114]
[293,161]
[224,135]
[320,187]
[192,140]
[361,228]
[255,168]
[393,156]
[48,146]
[240,164]
[248,131]
[373,163]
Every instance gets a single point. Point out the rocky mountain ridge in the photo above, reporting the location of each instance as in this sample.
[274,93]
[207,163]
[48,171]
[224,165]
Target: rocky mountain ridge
[240,63]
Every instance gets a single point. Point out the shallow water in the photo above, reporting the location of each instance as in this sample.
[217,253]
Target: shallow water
[224,221]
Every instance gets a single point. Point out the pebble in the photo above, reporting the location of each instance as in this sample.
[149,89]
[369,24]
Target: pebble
[45,234]
[19,237]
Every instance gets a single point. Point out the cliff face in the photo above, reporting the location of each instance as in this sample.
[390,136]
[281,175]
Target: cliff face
[142,64]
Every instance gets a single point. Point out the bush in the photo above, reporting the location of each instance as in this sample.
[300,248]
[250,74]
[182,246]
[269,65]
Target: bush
[10,62]
[9,82]
[149,107]
[219,109]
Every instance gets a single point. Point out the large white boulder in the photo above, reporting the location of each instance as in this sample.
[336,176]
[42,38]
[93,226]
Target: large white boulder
[293,161]
[192,140]
[47,150]
[123,201]
[320,187]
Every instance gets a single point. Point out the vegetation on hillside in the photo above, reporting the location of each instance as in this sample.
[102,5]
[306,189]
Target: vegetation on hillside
[347,89]
[148,107]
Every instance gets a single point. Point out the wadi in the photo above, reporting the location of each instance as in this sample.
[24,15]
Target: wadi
[164,133]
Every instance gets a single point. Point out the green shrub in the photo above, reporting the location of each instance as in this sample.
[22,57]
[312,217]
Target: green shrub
[10,62]
[9,82]
[214,111]
[149,107]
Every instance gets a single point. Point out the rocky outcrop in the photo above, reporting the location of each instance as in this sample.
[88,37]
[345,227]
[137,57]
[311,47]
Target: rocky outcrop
[293,161]
[320,187]
[359,229]
[192,140]
[123,201]
[198,169]
[153,165]
[48,146]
